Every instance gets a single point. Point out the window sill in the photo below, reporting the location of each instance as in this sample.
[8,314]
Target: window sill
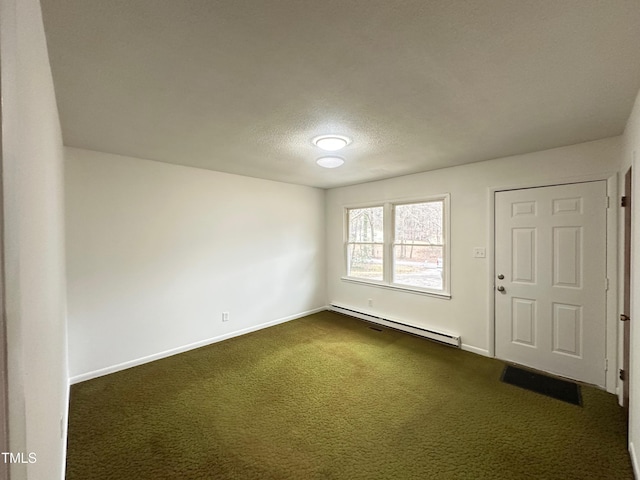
[401,288]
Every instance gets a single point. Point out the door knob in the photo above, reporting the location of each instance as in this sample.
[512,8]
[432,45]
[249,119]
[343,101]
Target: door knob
[501,289]
[501,277]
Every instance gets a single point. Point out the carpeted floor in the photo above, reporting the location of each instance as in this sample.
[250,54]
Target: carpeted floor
[326,397]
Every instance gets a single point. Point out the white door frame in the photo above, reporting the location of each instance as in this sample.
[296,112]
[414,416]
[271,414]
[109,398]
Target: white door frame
[4,373]
[611,341]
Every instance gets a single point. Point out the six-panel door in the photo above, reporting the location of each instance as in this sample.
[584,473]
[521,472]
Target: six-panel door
[550,245]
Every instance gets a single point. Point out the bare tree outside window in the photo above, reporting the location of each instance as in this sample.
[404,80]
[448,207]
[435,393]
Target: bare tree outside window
[418,246]
[401,245]
[365,247]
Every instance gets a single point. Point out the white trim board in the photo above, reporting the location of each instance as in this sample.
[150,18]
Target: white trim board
[185,348]
[64,430]
[634,460]
[478,351]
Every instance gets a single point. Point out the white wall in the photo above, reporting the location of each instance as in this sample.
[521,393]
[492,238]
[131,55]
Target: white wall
[157,252]
[630,154]
[34,244]
[467,313]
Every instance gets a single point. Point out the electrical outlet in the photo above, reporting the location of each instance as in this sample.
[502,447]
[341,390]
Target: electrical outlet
[479,252]
[370,302]
[225,316]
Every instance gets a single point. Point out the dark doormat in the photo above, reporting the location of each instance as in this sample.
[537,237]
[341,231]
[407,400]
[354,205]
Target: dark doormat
[549,386]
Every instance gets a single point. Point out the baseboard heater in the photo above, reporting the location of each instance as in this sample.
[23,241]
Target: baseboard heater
[441,337]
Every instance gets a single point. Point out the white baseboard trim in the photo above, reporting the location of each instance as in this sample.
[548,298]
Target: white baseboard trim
[634,460]
[185,348]
[476,350]
[64,430]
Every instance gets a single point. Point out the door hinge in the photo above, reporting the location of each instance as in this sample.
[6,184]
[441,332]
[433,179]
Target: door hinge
[606,284]
[622,375]
[606,364]
[623,201]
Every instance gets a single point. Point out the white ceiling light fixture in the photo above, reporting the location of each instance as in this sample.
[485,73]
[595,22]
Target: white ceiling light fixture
[330,162]
[331,143]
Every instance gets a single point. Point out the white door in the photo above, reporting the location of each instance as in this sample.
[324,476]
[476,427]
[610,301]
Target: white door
[550,254]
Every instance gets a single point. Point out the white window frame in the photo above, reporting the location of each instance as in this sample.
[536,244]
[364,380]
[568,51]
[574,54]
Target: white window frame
[389,242]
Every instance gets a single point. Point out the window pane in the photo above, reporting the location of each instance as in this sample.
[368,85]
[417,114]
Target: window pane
[365,224]
[419,223]
[418,266]
[365,261]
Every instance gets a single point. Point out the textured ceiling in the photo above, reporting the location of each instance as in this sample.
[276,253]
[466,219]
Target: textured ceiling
[242,86]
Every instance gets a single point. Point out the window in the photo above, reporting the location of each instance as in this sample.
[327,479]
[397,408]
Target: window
[418,245]
[365,244]
[400,245]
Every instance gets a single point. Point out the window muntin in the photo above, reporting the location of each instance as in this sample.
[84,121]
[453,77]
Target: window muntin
[401,245]
[365,245]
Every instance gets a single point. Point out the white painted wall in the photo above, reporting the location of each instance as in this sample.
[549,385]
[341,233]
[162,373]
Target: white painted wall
[157,252]
[467,313]
[34,244]
[631,154]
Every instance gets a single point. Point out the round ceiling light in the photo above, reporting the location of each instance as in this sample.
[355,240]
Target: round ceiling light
[331,143]
[330,162]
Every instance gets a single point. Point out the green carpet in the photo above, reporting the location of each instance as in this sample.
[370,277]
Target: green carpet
[326,397]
